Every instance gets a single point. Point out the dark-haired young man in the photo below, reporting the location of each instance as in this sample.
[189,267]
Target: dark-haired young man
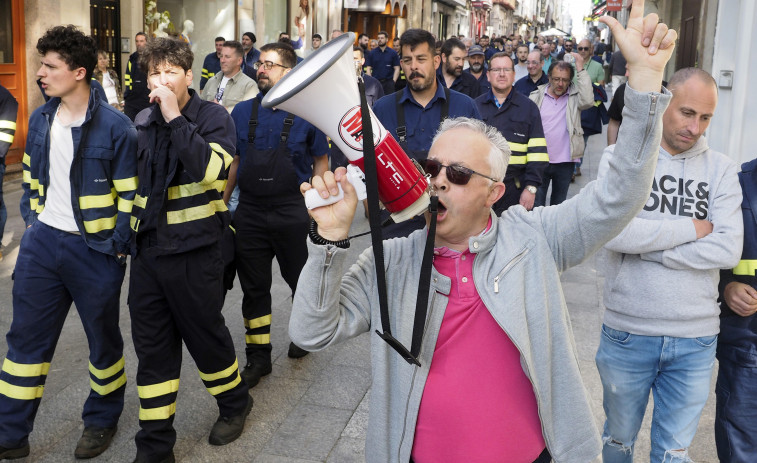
[414,114]
[451,74]
[275,153]
[135,81]
[79,183]
[212,63]
[176,280]
[383,63]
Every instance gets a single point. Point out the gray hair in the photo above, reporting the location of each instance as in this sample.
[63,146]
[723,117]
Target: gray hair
[499,149]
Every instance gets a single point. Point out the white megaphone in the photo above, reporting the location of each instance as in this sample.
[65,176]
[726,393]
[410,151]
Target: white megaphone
[323,90]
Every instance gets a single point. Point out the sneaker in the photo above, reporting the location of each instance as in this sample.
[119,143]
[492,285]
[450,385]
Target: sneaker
[296,352]
[13,453]
[94,441]
[143,459]
[578,171]
[228,429]
[254,371]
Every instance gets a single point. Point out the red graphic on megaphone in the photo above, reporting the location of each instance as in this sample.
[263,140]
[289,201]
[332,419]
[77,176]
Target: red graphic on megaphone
[323,90]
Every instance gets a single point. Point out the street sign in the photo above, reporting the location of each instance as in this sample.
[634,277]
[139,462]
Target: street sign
[614,5]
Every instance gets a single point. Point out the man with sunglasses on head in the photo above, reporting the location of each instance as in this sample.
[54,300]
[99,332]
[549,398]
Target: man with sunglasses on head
[498,378]
[276,151]
[595,69]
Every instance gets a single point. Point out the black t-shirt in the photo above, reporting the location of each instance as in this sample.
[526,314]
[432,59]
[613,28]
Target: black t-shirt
[616,107]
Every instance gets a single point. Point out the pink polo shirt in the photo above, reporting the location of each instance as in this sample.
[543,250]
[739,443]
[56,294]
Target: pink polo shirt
[553,120]
[477,405]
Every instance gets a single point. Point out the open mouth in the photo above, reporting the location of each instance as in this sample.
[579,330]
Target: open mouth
[441,211]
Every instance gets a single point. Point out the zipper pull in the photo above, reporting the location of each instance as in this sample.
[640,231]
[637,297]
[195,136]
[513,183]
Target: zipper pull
[496,284]
[653,106]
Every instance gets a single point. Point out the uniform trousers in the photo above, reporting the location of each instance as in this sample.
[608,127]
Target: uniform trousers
[266,230]
[53,269]
[175,298]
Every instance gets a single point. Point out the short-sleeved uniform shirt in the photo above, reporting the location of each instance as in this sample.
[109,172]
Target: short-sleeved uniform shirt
[382,62]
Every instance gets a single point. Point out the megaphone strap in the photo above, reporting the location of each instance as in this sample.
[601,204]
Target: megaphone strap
[402,126]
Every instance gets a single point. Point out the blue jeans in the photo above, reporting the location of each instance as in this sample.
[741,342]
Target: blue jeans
[677,370]
[559,174]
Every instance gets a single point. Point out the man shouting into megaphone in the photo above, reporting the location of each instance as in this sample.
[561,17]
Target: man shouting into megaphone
[498,375]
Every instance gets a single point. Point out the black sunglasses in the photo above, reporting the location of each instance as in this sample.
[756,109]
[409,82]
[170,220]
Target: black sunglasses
[458,175]
[583,48]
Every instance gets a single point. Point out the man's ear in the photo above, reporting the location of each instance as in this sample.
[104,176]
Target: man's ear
[495,192]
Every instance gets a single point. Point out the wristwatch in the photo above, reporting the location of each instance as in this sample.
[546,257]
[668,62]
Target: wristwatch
[531,189]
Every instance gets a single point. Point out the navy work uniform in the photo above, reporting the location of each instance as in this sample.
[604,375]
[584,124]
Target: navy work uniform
[414,127]
[56,267]
[736,388]
[382,63]
[519,120]
[465,83]
[8,113]
[136,94]
[277,151]
[210,67]
[176,280]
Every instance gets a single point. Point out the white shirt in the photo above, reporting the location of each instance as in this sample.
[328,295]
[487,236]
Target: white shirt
[110,89]
[521,70]
[58,212]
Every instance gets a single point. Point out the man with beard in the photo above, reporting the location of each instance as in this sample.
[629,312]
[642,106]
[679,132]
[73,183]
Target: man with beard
[560,103]
[413,114]
[521,57]
[477,68]
[362,41]
[276,151]
[383,63]
[251,55]
[450,73]
[135,81]
[519,121]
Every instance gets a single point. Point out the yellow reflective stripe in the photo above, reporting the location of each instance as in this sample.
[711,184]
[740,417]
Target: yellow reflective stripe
[94,226]
[597,103]
[745,267]
[537,157]
[227,158]
[125,205]
[108,372]
[27,178]
[195,213]
[8,125]
[156,390]
[265,320]
[257,338]
[517,160]
[159,413]
[213,170]
[522,147]
[26,159]
[25,370]
[192,189]
[140,201]
[534,142]
[7,137]
[21,392]
[108,388]
[220,374]
[224,387]
[133,223]
[125,184]
[34,204]
[94,201]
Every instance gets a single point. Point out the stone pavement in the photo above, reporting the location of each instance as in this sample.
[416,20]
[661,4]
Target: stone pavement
[308,410]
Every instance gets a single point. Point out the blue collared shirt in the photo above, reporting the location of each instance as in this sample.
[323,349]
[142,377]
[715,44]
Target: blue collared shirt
[526,85]
[305,142]
[382,62]
[422,123]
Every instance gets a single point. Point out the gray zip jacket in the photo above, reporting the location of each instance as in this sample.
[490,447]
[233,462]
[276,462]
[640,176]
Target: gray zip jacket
[517,274]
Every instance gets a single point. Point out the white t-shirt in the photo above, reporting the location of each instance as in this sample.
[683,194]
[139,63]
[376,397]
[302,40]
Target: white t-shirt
[110,89]
[58,212]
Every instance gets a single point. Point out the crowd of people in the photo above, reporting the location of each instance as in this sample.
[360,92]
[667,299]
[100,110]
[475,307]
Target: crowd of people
[201,186]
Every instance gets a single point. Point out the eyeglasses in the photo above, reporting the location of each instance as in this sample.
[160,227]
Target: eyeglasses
[267,65]
[458,175]
[559,80]
[582,48]
[500,70]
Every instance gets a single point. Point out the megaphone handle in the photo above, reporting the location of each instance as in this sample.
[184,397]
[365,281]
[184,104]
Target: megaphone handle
[355,177]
